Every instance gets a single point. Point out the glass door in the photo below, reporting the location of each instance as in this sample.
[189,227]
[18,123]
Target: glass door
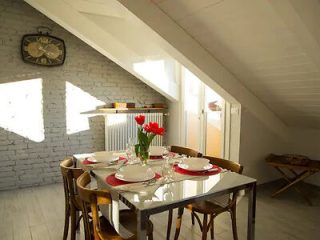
[213,123]
[203,113]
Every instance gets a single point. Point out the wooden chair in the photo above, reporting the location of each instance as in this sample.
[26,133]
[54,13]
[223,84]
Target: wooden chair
[214,207]
[189,153]
[185,151]
[73,204]
[102,229]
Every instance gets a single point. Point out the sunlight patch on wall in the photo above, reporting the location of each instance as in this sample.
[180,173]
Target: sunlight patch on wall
[154,71]
[78,101]
[192,92]
[161,73]
[22,108]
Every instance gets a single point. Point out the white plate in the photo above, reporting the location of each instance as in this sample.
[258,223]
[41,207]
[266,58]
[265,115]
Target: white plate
[195,168]
[195,164]
[92,160]
[135,173]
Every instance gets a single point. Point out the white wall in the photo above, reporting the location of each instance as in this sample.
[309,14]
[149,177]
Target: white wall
[256,143]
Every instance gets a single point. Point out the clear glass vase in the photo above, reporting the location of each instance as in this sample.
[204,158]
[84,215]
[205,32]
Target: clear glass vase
[144,155]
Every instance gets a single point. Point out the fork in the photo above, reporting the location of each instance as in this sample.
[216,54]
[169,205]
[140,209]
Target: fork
[150,182]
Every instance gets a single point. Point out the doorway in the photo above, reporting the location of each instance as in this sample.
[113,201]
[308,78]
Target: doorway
[204,116]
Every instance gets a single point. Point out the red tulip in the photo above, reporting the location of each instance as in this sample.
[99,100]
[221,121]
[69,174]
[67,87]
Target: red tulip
[140,119]
[146,127]
[153,127]
[160,131]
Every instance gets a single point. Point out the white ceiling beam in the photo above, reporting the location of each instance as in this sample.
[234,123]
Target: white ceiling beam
[105,8]
[95,36]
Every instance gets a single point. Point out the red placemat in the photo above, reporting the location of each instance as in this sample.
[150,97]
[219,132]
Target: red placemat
[155,157]
[88,161]
[198,173]
[113,181]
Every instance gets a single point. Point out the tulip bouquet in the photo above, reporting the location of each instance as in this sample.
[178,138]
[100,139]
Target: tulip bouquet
[146,133]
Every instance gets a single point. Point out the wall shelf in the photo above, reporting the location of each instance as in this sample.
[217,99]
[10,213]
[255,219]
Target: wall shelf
[103,111]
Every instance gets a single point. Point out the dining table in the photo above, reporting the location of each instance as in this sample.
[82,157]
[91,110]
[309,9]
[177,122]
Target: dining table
[155,196]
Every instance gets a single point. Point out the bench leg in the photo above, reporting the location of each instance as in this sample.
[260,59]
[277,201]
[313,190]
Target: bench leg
[292,182]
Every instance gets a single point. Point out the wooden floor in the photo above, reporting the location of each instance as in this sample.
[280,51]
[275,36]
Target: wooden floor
[36,212]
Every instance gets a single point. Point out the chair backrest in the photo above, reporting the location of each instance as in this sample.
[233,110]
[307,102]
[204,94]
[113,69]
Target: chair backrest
[94,198]
[226,164]
[186,151]
[70,175]
[231,166]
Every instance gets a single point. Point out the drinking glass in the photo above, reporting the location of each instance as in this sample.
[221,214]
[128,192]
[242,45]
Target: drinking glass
[167,170]
[129,153]
[183,157]
[131,141]
[166,151]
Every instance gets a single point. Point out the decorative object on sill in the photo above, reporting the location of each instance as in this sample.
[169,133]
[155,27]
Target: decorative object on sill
[146,133]
[123,105]
[42,49]
[213,106]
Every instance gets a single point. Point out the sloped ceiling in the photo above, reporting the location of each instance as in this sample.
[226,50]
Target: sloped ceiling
[272,47]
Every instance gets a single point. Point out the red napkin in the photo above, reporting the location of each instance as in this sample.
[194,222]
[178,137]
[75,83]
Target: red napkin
[198,173]
[113,181]
[88,161]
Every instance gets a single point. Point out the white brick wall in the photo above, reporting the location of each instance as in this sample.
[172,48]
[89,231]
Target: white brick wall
[24,162]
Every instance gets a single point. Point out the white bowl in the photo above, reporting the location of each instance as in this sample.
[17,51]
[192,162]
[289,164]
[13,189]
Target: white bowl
[156,150]
[103,156]
[195,164]
[135,173]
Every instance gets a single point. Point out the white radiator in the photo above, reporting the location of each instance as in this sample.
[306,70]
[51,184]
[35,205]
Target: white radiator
[120,127]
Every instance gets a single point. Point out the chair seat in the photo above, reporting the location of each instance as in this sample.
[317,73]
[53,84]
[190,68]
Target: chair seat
[128,220]
[206,207]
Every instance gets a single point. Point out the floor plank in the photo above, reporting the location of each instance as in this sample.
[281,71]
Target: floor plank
[38,213]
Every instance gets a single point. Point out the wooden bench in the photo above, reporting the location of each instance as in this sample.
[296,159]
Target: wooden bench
[299,172]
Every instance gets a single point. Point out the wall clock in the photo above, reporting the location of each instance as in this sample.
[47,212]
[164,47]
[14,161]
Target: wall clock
[43,49]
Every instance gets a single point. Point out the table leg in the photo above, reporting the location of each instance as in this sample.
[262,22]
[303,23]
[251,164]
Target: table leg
[169,223]
[142,220]
[251,212]
[178,222]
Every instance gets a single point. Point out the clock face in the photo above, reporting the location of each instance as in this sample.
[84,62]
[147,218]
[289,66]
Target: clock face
[43,50]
